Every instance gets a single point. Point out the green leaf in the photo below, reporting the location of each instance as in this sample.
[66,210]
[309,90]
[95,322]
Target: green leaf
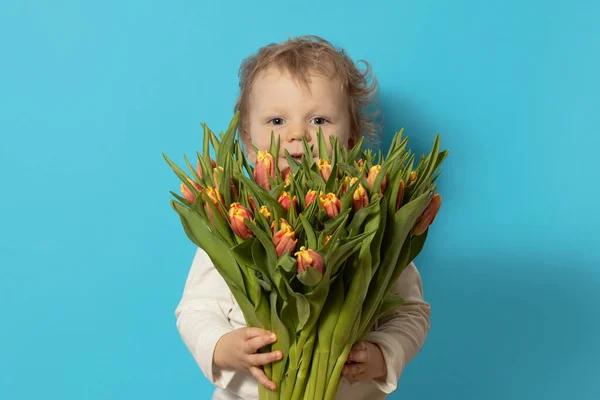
[344,249]
[192,169]
[323,154]
[274,150]
[372,208]
[307,157]
[228,138]
[198,232]
[243,252]
[294,165]
[206,148]
[261,196]
[391,301]
[310,233]
[214,140]
[180,174]
[416,245]
[266,242]
[282,343]
[356,151]
[221,226]
[260,260]
[310,277]
[287,262]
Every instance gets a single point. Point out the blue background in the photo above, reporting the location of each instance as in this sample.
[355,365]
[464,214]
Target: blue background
[93,260]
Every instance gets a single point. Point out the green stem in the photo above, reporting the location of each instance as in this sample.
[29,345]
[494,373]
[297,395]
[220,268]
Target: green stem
[335,378]
[305,364]
[322,359]
[312,379]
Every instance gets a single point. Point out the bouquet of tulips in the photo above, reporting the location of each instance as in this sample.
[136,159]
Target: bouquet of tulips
[311,252]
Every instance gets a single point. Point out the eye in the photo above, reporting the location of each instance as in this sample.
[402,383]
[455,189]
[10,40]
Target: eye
[276,121]
[319,120]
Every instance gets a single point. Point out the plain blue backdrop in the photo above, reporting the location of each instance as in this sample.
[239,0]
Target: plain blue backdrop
[93,259]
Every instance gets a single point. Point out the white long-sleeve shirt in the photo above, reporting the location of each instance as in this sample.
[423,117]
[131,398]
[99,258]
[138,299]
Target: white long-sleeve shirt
[208,310]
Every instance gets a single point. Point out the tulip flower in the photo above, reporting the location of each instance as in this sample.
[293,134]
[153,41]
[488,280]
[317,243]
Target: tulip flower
[213,164]
[286,200]
[325,169]
[347,184]
[285,172]
[360,198]
[373,172]
[428,215]
[327,238]
[412,177]
[215,197]
[288,179]
[284,239]
[187,193]
[400,195]
[331,204]
[309,258]
[266,212]
[237,214]
[310,197]
[251,201]
[265,169]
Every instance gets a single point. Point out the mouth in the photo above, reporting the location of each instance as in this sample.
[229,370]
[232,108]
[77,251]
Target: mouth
[296,156]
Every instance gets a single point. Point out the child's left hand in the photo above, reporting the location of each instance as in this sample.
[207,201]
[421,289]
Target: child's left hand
[365,362]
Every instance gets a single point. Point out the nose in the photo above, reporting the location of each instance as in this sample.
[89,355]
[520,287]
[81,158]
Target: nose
[296,132]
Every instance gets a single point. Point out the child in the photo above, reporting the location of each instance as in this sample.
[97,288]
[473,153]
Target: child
[293,88]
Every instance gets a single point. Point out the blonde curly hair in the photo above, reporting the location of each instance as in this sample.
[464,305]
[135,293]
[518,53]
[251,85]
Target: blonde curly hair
[303,55]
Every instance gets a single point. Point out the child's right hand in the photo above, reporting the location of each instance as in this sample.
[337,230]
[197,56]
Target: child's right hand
[238,350]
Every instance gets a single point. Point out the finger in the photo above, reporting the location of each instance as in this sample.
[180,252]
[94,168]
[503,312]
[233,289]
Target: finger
[360,346]
[260,376]
[353,371]
[258,359]
[251,346]
[360,356]
[252,332]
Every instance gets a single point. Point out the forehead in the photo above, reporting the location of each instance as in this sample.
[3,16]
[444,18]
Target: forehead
[281,86]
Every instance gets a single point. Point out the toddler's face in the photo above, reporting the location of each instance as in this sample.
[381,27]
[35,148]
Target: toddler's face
[278,103]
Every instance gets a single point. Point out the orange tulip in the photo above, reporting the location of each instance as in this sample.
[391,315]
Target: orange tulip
[347,184]
[265,169]
[310,197]
[428,215]
[412,177]
[187,193]
[284,239]
[360,198]
[237,214]
[373,172]
[331,204]
[325,169]
[286,200]
[213,164]
[285,175]
[217,172]
[400,195]
[266,212]
[251,201]
[309,258]
[215,197]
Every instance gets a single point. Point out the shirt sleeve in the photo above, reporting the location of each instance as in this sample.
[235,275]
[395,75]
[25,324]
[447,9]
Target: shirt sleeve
[202,316]
[401,334]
